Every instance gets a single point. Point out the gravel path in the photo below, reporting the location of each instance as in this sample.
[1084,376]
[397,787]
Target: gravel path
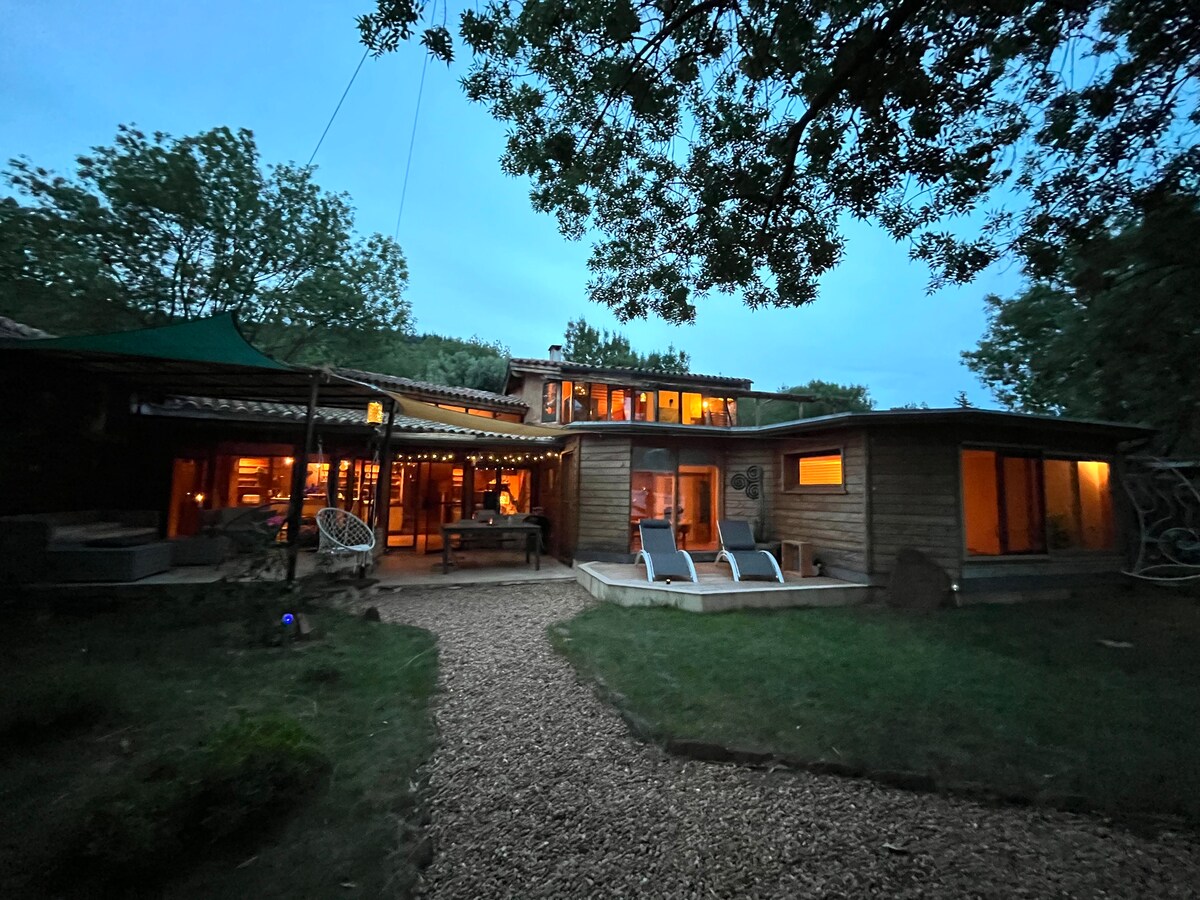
[538,790]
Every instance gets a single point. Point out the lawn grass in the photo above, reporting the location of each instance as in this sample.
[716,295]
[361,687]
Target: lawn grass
[233,764]
[1022,699]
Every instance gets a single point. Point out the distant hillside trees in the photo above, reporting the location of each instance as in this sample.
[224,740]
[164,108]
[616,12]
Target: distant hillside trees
[828,398]
[585,344]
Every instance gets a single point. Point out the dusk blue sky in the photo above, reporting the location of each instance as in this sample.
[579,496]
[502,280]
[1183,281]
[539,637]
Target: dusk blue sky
[481,261]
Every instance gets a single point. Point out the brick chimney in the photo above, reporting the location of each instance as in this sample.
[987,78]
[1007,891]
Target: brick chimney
[556,353]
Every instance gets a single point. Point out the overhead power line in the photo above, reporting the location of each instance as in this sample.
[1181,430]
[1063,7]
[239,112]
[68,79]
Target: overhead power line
[411,140]
[339,105]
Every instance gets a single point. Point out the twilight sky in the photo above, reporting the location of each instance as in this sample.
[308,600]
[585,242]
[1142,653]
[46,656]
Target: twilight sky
[480,260]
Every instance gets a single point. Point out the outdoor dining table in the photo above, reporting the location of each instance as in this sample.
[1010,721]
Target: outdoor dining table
[500,525]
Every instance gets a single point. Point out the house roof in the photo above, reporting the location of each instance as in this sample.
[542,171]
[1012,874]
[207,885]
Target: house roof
[883,417]
[952,416]
[261,411]
[566,367]
[462,395]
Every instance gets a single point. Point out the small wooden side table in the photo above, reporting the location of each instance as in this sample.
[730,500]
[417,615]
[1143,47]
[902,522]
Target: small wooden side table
[797,556]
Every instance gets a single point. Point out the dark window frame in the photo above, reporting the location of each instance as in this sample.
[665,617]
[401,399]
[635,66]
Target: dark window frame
[789,477]
[1041,455]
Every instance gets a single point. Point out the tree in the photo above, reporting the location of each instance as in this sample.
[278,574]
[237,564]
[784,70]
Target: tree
[717,145]
[962,401]
[467,369]
[821,398]
[1115,336]
[158,229]
[472,363]
[586,344]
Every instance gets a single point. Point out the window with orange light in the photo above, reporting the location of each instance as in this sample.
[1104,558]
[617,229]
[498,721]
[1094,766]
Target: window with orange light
[1019,503]
[820,470]
[1079,514]
[643,406]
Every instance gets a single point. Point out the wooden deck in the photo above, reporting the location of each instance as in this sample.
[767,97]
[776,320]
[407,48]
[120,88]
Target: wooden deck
[716,591]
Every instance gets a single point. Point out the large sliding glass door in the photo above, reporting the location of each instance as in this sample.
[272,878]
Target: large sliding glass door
[681,485]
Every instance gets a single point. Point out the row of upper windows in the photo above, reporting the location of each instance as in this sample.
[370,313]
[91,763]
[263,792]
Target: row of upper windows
[583,401]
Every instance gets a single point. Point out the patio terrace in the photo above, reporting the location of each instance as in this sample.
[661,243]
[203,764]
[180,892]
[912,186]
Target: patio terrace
[716,591]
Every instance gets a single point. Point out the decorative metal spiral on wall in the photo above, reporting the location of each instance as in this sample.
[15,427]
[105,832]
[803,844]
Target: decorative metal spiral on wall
[749,481]
[1167,505]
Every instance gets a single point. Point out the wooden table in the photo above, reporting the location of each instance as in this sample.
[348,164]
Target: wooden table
[469,528]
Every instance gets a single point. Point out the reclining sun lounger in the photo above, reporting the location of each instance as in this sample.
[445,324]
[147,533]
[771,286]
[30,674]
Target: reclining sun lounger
[737,548]
[662,558]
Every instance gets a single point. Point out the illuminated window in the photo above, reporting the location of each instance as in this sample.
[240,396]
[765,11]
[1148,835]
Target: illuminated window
[668,406]
[568,405]
[550,401]
[598,403]
[1079,513]
[620,406]
[821,469]
[1021,504]
[720,411]
[643,406]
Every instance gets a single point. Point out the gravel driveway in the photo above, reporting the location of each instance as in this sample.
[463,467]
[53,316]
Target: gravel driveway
[538,790]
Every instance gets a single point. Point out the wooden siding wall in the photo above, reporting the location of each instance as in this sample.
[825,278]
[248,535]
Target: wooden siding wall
[740,456]
[603,506]
[834,522]
[914,499]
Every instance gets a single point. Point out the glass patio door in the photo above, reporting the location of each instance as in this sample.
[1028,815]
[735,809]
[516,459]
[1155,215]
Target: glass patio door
[679,485]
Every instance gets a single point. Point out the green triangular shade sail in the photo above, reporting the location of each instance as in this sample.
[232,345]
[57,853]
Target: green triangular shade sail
[213,340]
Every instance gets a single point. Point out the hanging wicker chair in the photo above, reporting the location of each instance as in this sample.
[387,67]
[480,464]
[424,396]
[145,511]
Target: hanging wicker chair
[345,534]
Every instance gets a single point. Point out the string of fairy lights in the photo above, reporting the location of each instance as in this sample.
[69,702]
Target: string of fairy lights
[476,458]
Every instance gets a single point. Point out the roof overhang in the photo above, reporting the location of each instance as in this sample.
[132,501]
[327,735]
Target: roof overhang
[913,418]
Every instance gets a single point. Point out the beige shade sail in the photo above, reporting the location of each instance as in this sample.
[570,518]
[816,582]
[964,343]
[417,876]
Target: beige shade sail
[420,410]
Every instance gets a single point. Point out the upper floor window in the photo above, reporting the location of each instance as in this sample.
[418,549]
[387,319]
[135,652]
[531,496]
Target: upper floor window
[583,401]
[550,401]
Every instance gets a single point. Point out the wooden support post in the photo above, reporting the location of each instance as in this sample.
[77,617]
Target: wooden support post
[333,480]
[299,469]
[383,479]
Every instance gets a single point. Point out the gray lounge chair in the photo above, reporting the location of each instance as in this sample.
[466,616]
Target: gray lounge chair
[737,549]
[662,558]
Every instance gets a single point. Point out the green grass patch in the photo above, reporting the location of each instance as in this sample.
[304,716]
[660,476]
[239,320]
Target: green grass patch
[188,746]
[1023,699]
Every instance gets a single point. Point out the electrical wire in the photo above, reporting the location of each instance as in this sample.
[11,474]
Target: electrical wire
[339,105]
[411,140]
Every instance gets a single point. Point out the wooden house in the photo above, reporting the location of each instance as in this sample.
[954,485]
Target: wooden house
[183,423]
[1000,501]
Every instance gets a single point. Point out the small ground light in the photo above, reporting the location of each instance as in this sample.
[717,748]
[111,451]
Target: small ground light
[288,618]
